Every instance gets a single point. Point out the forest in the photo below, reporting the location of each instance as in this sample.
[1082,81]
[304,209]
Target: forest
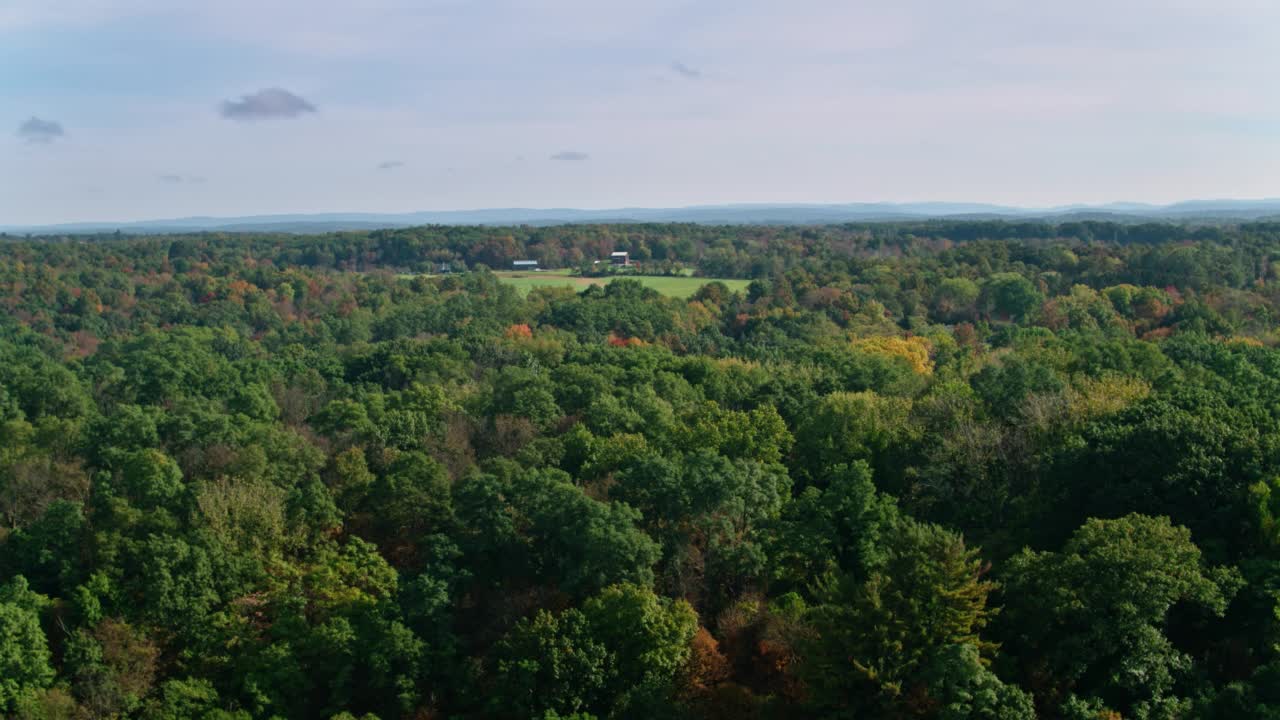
[914,471]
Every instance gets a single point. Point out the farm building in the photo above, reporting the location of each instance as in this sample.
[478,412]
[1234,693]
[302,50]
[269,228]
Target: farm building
[524,265]
[619,258]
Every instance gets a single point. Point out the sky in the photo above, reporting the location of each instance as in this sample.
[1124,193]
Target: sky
[115,110]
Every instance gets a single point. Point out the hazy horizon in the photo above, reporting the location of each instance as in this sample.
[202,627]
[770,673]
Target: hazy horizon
[133,110]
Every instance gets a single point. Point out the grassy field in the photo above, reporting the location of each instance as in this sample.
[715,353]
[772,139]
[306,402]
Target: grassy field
[677,287]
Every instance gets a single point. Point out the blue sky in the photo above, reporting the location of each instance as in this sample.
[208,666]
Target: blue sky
[133,109]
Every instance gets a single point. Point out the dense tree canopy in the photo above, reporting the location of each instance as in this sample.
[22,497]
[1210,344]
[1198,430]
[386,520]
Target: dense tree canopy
[938,470]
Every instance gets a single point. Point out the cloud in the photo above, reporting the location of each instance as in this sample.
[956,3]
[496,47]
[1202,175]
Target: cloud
[570,156]
[685,71]
[180,179]
[265,104]
[390,165]
[35,130]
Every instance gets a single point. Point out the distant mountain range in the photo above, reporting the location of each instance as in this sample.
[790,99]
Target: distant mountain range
[744,214]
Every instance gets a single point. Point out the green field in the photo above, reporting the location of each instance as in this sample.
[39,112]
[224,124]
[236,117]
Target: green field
[676,287]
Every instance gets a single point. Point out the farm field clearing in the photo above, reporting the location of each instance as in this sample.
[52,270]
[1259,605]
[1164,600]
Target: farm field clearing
[671,286]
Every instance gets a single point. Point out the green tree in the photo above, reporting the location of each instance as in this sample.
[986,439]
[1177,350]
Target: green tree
[25,660]
[958,683]
[548,663]
[580,543]
[870,640]
[955,298]
[844,428]
[838,529]
[112,667]
[151,478]
[188,699]
[1009,295]
[1090,619]
[648,638]
[408,503]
